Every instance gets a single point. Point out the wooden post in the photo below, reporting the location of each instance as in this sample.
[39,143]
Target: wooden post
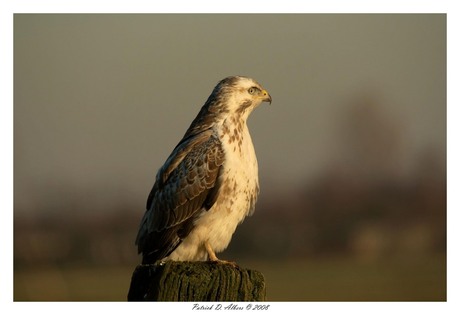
[195,281]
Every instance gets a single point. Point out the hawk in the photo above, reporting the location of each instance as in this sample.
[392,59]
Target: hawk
[209,183]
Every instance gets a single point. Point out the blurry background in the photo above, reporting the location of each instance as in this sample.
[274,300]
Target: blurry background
[352,151]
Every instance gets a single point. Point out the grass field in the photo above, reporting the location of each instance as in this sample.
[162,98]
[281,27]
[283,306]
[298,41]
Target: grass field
[418,279]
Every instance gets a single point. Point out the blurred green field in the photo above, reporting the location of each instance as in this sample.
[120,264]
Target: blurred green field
[418,279]
[346,280]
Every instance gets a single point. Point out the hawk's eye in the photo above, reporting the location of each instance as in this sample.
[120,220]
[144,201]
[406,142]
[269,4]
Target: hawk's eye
[252,90]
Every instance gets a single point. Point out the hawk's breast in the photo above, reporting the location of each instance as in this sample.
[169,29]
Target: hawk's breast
[236,200]
[238,194]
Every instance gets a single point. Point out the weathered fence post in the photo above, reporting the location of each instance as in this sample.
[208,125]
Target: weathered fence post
[195,281]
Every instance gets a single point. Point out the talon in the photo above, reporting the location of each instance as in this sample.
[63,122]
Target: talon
[213,258]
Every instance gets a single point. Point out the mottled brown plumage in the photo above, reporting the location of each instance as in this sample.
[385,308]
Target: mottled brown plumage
[209,183]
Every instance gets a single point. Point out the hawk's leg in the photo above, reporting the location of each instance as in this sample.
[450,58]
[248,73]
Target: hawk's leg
[213,258]
[211,255]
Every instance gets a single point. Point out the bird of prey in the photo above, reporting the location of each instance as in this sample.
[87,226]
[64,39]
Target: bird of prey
[209,183]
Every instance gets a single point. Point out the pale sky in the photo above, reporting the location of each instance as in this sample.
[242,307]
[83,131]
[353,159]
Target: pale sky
[101,100]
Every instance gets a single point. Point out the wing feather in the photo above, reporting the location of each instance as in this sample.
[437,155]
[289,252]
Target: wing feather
[186,185]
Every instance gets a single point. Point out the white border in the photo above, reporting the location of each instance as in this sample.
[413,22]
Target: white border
[8,8]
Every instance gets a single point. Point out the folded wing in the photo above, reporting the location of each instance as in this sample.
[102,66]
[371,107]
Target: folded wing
[187,185]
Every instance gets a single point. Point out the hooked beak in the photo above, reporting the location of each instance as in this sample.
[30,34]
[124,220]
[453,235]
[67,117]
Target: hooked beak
[266,97]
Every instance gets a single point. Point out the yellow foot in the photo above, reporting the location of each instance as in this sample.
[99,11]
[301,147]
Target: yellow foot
[213,258]
[225,262]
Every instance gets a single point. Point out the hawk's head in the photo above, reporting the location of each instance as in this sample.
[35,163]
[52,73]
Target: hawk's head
[238,94]
[233,96]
